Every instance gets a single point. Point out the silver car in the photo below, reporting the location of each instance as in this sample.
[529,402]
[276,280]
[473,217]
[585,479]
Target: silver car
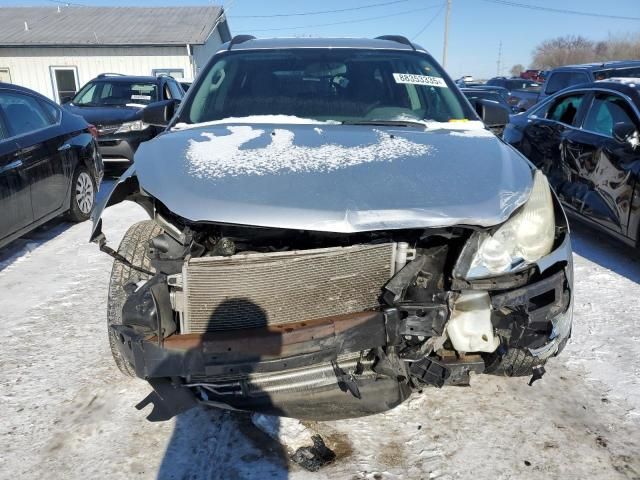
[332,228]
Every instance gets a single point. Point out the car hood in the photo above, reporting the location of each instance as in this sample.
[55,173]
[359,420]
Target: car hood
[336,178]
[106,115]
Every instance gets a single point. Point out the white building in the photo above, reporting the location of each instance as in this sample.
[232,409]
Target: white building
[56,50]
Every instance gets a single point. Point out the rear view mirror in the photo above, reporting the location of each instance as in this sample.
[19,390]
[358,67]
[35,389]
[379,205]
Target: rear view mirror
[160,114]
[492,113]
[623,131]
[66,99]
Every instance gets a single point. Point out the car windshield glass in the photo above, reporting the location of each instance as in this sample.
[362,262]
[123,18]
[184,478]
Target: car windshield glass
[522,85]
[116,94]
[341,84]
[628,72]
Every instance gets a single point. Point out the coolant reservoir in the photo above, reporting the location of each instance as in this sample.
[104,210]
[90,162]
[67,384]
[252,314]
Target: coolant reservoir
[469,327]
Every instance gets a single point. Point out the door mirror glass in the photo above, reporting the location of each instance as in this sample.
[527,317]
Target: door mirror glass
[160,113]
[623,131]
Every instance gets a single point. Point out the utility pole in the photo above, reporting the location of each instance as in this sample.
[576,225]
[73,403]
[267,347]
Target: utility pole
[499,62]
[446,34]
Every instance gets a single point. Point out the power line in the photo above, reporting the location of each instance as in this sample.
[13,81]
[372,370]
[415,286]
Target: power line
[560,10]
[320,12]
[433,19]
[406,12]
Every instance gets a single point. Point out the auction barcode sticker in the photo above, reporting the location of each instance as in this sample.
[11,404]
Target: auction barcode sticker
[419,80]
[140,97]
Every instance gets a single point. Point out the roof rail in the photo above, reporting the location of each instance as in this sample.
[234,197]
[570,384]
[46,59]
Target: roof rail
[398,39]
[239,39]
[109,74]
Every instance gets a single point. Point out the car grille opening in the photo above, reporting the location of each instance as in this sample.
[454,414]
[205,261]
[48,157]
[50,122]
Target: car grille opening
[253,290]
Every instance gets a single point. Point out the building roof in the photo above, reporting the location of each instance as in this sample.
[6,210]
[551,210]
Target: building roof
[86,26]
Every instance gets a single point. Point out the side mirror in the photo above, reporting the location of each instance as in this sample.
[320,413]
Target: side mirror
[160,114]
[66,99]
[492,113]
[623,131]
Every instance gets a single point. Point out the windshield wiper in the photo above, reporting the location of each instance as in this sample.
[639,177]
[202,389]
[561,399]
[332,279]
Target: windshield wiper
[385,123]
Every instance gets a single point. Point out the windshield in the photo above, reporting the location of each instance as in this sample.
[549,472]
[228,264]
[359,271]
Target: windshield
[322,84]
[522,85]
[618,72]
[116,94]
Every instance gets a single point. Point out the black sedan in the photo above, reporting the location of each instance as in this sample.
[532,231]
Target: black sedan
[586,140]
[114,104]
[49,163]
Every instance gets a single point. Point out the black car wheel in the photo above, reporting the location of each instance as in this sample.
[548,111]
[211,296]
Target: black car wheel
[83,195]
[133,247]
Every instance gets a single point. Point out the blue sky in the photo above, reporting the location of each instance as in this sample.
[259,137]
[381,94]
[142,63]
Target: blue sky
[477,27]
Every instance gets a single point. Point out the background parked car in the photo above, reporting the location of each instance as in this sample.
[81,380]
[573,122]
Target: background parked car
[49,163]
[114,104]
[474,94]
[519,89]
[586,141]
[571,75]
[534,75]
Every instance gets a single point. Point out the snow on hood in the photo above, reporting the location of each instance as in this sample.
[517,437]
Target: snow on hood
[228,155]
[337,178]
[256,120]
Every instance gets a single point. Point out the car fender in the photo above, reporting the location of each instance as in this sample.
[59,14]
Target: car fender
[126,188]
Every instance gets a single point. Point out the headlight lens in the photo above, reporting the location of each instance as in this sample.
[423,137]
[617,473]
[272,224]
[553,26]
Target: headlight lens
[132,126]
[523,239]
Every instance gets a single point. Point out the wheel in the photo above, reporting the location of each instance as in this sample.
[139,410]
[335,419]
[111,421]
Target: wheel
[83,195]
[133,247]
[515,363]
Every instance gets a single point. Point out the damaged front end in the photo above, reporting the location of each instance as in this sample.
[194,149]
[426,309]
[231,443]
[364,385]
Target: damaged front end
[324,325]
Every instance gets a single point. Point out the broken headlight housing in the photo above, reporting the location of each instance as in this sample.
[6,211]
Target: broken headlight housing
[522,240]
[134,126]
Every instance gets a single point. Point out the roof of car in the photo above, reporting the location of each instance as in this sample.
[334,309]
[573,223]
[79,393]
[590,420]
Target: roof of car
[18,88]
[629,89]
[480,89]
[600,65]
[126,78]
[13,86]
[286,42]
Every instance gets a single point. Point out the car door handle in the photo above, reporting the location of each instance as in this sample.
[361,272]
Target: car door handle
[11,166]
[64,147]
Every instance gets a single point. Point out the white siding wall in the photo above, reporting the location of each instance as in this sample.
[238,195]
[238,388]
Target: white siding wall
[30,66]
[202,53]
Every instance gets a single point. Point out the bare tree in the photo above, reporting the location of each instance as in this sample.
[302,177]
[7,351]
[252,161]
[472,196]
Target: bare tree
[563,51]
[571,49]
[516,70]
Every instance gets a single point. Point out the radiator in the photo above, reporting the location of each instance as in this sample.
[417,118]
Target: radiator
[252,290]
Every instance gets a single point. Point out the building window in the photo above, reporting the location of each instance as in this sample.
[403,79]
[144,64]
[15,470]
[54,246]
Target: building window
[177,73]
[5,75]
[65,83]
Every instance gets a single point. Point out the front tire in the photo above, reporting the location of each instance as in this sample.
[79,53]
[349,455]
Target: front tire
[133,247]
[83,195]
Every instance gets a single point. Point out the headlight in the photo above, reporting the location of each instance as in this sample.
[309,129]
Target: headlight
[132,126]
[523,239]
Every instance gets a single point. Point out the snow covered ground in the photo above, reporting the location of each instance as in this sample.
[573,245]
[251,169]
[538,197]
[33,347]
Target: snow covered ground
[67,412]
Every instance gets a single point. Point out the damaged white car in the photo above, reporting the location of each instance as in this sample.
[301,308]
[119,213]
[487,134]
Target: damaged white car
[332,228]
